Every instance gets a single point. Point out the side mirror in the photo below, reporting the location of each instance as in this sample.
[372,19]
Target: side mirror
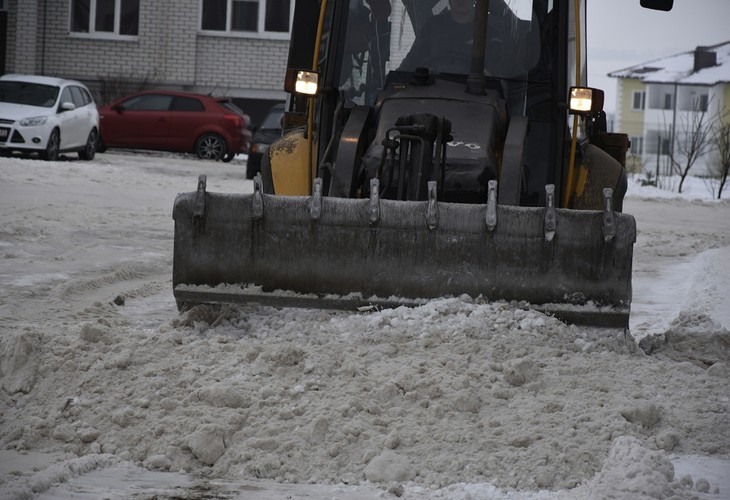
[585,101]
[665,5]
[67,106]
[118,108]
[302,82]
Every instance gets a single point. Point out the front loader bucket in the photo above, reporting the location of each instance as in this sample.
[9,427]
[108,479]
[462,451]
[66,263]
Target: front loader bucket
[331,252]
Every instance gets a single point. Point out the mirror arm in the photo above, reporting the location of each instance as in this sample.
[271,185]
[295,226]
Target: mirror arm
[476,83]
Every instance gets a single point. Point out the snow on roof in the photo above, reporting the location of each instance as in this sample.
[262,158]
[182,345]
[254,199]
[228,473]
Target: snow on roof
[680,68]
[43,80]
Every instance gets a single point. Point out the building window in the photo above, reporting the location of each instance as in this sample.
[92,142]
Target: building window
[105,17]
[656,143]
[701,103]
[668,101]
[637,145]
[666,144]
[639,100]
[247,16]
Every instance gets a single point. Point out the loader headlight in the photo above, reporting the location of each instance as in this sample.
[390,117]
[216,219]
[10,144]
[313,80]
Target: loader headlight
[299,81]
[306,82]
[585,100]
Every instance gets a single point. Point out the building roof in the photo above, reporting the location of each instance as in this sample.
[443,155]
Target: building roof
[709,65]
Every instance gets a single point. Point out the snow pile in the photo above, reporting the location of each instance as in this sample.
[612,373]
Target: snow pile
[694,188]
[43,478]
[633,471]
[449,392]
[452,399]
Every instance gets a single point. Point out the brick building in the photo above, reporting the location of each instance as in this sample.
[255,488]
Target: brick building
[236,48]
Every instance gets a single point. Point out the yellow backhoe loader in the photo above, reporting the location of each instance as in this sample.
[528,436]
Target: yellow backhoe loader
[430,148]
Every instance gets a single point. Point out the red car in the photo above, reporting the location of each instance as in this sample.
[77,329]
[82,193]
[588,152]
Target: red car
[211,127]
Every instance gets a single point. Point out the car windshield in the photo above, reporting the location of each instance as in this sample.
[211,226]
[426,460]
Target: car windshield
[401,35]
[31,94]
[273,119]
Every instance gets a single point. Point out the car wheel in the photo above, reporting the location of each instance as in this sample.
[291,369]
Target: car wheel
[90,148]
[100,146]
[211,147]
[53,148]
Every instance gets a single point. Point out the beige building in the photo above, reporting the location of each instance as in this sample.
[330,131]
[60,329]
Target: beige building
[226,47]
[657,97]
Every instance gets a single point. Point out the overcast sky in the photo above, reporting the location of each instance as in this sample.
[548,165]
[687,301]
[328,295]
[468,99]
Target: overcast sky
[622,34]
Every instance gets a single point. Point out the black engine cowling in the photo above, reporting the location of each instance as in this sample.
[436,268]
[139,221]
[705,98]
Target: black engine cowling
[413,120]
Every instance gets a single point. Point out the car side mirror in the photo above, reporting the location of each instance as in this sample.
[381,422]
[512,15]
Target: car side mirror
[67,106]
[665,5]
[118,108]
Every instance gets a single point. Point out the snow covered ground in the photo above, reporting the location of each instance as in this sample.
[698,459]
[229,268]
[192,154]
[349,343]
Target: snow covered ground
[125,398]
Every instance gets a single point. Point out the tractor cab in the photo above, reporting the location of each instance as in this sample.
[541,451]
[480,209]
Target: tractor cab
[496,73]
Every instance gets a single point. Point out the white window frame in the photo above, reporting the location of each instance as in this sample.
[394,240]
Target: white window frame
[92,33]
[642,93]
[260,29]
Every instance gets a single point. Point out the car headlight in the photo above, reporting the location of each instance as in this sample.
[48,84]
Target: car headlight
[260,148]
[33,121]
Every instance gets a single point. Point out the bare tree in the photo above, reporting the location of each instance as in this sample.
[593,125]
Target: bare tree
[691,140]
[721,142]
[114,86]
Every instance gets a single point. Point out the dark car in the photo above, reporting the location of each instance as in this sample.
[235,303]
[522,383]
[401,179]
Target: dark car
[268,132]
[213,128]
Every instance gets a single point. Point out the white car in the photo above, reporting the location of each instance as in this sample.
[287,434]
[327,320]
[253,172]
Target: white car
[46,115]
